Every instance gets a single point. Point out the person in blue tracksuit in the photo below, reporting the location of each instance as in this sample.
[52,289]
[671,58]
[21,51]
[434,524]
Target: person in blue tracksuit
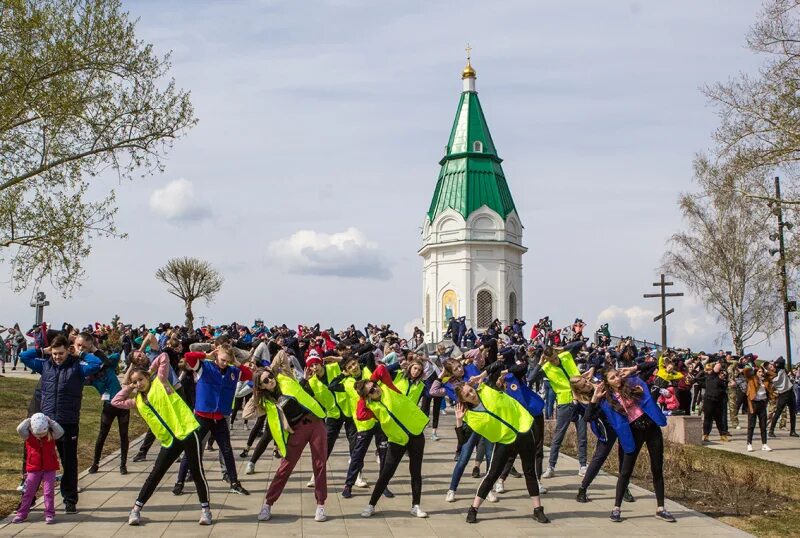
[105,381]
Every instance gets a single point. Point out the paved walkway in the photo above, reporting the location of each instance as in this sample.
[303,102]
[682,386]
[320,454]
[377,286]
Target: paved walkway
[107,497]
[785,449]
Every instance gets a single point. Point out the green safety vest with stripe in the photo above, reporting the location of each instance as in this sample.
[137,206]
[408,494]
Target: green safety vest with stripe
[501,420]
[398,415]
[292,389]
[559,377]
[325,397]
[275,425]
[353,397]
[412,390]
[167,415]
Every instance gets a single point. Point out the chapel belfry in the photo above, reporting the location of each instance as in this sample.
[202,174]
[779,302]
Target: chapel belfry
[472,236]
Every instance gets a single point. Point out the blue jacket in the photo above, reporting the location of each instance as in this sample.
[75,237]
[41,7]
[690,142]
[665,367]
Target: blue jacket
[62,385]
[524,395]
[106,381]
[619,421]
[215,389]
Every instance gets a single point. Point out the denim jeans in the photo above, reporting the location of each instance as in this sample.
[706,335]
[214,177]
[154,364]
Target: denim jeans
[568,413]
[464,456]
[549,400]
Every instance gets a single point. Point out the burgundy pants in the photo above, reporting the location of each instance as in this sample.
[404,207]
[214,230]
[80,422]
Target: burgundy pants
[309,431]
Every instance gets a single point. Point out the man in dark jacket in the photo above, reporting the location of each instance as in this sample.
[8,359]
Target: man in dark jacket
[63,376]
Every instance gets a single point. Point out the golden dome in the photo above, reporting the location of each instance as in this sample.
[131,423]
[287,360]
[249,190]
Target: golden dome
[468,71]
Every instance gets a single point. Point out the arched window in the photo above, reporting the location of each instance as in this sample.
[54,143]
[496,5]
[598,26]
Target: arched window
[484,309]
[512,307]
[427,313]
[477,146]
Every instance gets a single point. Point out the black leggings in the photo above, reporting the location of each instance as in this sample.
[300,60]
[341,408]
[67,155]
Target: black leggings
[256,431]
[238,403]
[166,457]
[107,417]
[395,452]
[425,405]
[147,442]
[651,435]
[601,453]
[785,399]
[525,446]
[714,410]
[261,446]
[760,411]
[538,437]
[334,425]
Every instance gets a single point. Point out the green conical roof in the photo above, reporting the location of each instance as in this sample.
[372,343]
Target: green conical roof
[471,175]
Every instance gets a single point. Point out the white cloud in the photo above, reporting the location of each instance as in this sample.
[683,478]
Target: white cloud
[346,254]
[176,201]
[632,319]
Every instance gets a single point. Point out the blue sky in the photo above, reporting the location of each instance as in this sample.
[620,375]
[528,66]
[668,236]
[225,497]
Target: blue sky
[308,176]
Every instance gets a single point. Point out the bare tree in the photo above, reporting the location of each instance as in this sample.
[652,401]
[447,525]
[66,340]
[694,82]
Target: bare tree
[190,279]
[79,94]
[760,124]
[723,257]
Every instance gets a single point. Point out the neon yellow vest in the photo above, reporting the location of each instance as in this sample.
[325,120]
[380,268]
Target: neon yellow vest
[167,415]
[279,434]
[353,397]
[412,390]
[342,399]
[324,396]
[291,388]
[398,415]
[559,380]
[503,418]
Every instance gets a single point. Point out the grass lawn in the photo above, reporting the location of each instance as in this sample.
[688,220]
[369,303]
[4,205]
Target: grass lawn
[15,394]
[758,496]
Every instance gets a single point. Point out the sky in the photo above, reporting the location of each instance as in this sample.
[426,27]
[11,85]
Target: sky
[321,123]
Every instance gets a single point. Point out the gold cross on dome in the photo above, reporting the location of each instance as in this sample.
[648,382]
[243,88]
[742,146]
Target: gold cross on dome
[469,52]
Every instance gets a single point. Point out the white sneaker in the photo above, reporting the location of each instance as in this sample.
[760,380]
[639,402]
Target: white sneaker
[310,483]
[251,468]
[499,487]
[549,473]
[450,497]
[765,447]
[491,497]
[738,427]
[416,511]
[435,437]
[320,514]
[444,412]
[368,511]
[266,513]
[542,489]
[582,471]
[205,516]
[361,483]
[749,448]
[134,518]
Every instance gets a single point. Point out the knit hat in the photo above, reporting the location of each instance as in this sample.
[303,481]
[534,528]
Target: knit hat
[313,353]
[39,424]
[780,363]
[313,359]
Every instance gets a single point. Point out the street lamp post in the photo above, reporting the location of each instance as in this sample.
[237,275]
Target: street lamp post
[788,306]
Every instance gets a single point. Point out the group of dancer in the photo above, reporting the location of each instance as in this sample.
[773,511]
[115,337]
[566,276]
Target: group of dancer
[187,393]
